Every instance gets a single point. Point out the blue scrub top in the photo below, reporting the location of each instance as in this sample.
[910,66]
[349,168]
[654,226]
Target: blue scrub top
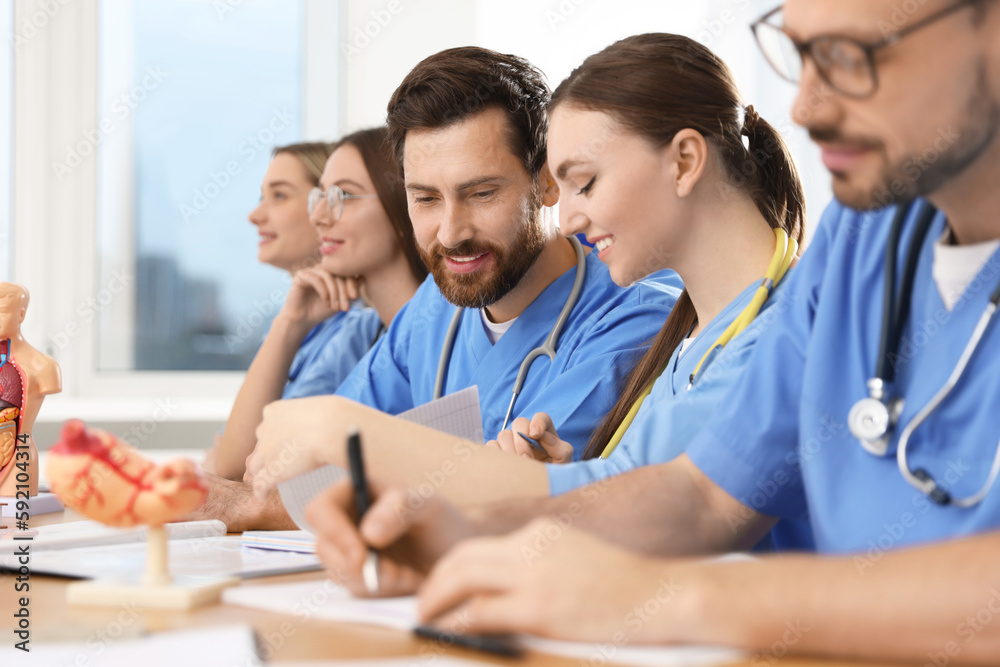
[781,443]
[330,351]
[607,332]
[671,415]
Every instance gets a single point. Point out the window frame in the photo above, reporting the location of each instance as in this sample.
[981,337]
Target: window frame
[55,249]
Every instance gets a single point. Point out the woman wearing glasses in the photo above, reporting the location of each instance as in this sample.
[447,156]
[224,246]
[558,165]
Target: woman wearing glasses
[336,308]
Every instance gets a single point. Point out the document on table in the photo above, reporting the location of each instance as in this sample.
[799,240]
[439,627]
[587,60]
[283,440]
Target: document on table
[296,541]
[221,556]
[207,647]
[326,600]
[74,534]
[457,414]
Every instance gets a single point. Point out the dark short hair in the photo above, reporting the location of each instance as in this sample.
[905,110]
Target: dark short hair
[455,84]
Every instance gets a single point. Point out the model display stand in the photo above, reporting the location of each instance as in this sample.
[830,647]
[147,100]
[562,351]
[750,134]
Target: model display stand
[102,478]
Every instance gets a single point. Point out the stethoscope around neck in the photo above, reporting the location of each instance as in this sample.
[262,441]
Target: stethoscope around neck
[872,419]
[547,348]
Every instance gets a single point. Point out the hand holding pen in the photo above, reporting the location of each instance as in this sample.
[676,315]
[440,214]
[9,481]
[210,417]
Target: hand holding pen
[535,439]
[409,531]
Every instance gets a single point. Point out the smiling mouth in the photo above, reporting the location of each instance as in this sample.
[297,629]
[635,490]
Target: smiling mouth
[604,243]
[466,260]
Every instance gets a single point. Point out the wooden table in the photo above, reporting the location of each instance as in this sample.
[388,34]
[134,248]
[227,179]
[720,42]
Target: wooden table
[282,637]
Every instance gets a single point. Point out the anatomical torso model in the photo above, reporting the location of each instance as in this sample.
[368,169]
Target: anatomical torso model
[26,377]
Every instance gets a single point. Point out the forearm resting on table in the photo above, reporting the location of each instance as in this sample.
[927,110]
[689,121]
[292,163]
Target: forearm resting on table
[937,604]
[662,509]
[235,504]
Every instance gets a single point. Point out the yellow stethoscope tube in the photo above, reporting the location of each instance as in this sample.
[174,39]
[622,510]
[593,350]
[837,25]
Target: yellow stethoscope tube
[784,253]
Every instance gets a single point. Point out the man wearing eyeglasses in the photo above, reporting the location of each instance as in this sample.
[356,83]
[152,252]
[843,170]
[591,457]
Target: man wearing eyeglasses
[871,408]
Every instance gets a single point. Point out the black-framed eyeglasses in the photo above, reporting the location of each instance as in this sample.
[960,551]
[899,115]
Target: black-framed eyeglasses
[845,63]
[335,198]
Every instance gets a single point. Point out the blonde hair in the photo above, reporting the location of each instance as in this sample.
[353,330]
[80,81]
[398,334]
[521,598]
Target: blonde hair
[312,154]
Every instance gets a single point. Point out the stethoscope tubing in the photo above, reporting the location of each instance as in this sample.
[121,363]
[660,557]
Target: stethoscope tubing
[547,348]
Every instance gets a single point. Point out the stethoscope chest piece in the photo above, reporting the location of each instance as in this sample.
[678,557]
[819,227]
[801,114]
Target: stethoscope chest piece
[871,421]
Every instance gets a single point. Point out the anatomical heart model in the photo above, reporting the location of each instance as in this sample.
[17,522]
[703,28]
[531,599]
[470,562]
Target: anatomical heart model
[102,478]
[26,377]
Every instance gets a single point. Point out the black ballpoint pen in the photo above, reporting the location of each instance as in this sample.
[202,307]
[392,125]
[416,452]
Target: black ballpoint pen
[498,645]
[362,501]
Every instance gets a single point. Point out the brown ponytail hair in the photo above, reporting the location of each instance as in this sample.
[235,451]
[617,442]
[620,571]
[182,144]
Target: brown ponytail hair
[655,85]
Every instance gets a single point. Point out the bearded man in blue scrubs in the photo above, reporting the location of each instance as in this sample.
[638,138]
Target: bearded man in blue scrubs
[904,101]
[469,128]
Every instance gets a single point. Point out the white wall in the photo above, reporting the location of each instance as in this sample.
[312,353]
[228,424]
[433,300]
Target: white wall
[384,39]
[556,35]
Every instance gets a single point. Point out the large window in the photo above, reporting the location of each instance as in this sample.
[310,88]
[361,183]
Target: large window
[6,149]
[193,96]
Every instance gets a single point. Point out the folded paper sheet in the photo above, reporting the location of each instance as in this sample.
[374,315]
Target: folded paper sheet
[457,414]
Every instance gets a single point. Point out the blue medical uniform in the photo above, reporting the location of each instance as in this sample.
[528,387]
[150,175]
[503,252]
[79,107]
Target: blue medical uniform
[607,332]
[780,443]
[331,350]
[671,415]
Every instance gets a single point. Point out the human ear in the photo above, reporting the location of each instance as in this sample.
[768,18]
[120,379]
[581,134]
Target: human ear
[688,157]
[547,184]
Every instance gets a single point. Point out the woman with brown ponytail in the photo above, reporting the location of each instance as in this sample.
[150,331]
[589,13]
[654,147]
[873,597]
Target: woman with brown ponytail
[661,166]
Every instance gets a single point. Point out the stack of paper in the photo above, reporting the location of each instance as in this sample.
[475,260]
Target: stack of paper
[295,541]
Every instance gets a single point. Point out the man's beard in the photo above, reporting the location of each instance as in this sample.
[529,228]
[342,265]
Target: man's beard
[510,264]
[922,174]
